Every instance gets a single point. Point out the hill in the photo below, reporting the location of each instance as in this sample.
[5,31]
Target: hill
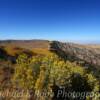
[84,55]
[27,44]
[69,57]
[87,55]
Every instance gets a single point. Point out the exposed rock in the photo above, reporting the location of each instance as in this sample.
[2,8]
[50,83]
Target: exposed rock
[77,53]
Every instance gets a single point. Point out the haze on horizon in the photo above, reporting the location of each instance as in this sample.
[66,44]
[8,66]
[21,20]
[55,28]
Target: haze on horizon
[65,20]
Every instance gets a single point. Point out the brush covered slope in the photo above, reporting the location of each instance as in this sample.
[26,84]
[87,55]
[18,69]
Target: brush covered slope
[41,65]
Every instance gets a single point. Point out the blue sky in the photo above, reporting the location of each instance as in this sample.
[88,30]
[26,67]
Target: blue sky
[66,20]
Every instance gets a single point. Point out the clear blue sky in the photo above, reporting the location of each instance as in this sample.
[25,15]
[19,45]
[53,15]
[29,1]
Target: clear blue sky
[75,20]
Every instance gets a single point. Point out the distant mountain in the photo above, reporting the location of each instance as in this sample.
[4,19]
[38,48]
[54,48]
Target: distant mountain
[27,44]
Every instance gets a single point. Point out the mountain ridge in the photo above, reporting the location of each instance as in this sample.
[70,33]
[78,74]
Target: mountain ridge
[87,55]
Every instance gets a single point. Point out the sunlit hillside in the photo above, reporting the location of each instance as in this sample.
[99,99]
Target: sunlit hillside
[49,66]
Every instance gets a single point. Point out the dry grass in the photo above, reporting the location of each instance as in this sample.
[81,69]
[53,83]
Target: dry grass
[41,51]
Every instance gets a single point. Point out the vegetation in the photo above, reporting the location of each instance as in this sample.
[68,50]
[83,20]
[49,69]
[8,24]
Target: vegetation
[36,67]
[51,74]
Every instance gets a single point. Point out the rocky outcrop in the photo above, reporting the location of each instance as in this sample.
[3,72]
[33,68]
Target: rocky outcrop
[76,53]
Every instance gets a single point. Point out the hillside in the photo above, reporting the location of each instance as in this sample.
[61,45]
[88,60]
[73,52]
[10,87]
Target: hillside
[15,47]
[87,55]
[26,44]
[34,58]
[82,54]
